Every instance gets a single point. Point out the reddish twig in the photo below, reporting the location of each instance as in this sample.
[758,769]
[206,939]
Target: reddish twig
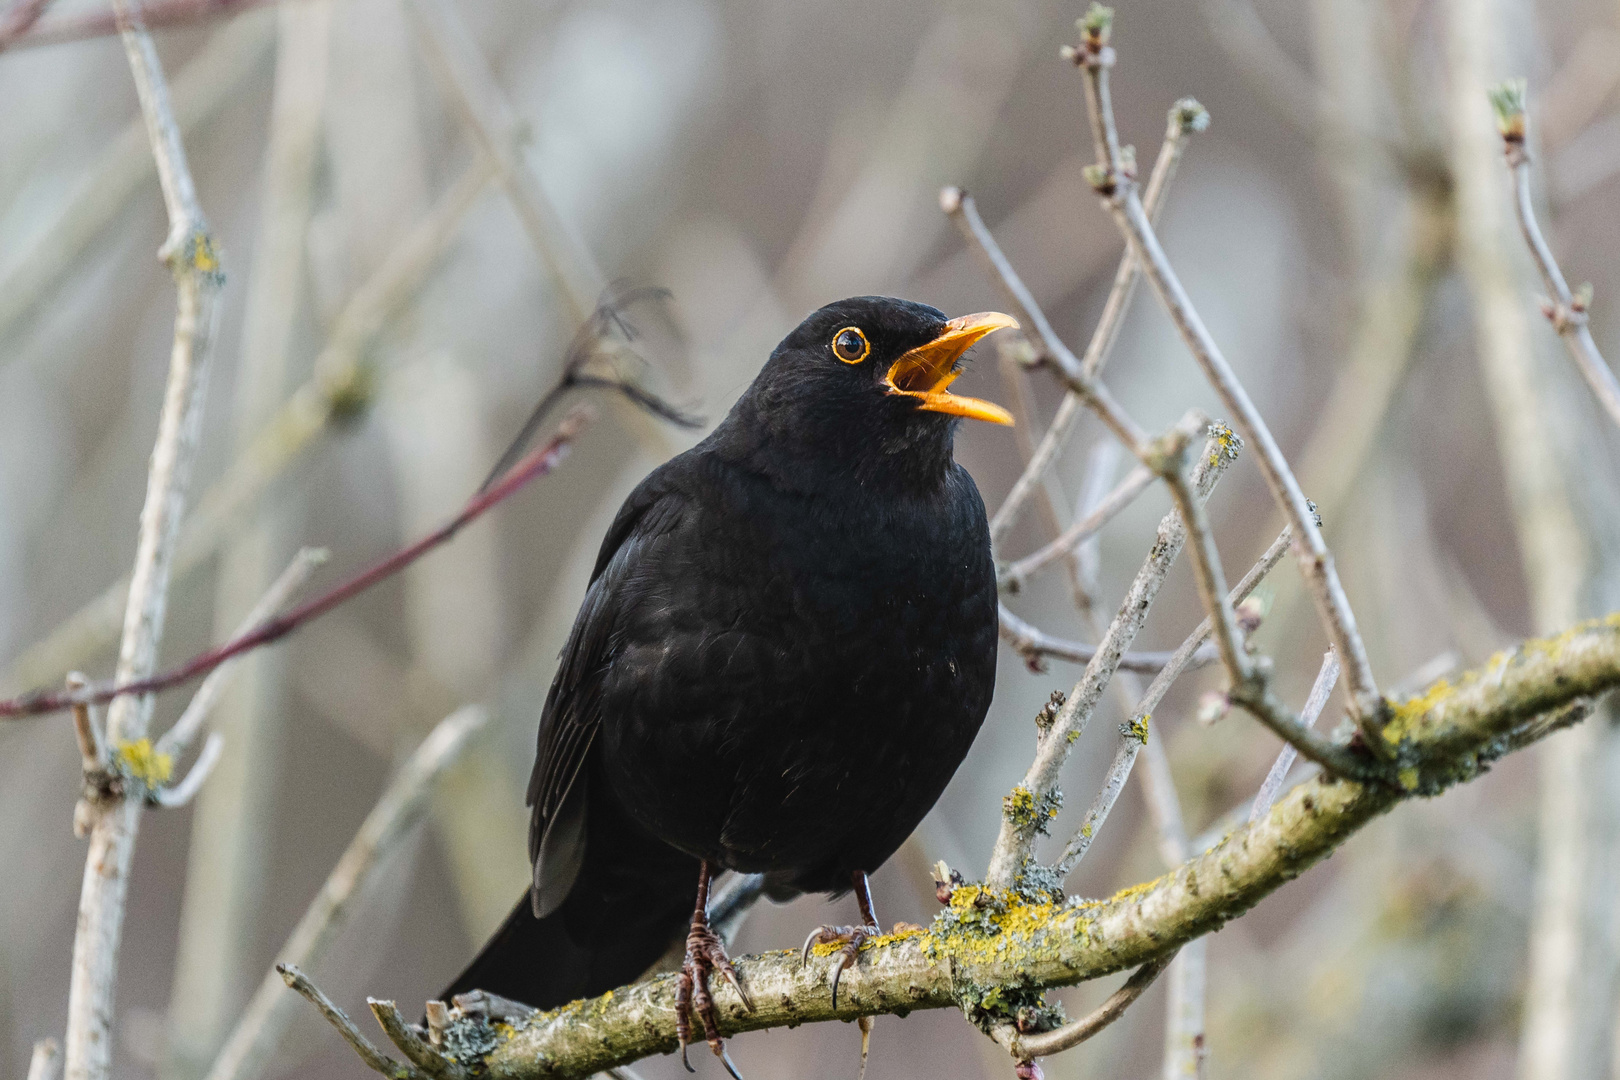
[536,463]
[22,32]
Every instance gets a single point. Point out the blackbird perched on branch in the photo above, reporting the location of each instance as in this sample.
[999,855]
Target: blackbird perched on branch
[786,649]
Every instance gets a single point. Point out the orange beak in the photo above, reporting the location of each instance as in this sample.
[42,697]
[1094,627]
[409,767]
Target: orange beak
[926,372]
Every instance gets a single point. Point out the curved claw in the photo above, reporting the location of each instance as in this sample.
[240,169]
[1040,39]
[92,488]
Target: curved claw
[688,1064]
[731,977]
[845,962]
[809,943]
[725,1059]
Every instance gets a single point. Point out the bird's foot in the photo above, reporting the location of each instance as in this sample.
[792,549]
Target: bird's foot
[849,940]
[705,954]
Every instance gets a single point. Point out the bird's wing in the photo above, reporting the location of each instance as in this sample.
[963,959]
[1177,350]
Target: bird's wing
[572,713]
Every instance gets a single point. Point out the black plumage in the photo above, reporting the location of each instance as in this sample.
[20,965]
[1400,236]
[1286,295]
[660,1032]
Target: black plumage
[786,649]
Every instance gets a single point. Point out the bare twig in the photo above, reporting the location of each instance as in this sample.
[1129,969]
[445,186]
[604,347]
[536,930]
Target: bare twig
[536,463]
[1321,690]
[87,729]
[415,1048]
[16,21]
[173,796]
[1135,735]
[375,1059]
[190,255]
[1186,117]
[1566,310]
[264,1021]
[1116,186]
[1018,830]
[1035,644]
[1123,494]
[1076,1032]
[179,737]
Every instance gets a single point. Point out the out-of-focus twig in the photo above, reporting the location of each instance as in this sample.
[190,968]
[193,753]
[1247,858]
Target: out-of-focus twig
[46,1061]
[180,736]
[253,1042]
[18,18]
[1317,700]
[159,13]
[1566,310]
[454,58]
[192,259]
[1078,1031]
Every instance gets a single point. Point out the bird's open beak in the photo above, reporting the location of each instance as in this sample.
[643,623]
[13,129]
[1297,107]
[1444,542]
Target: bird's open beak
[926,372]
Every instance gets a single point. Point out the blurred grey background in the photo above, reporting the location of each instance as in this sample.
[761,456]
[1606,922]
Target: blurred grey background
[759,160]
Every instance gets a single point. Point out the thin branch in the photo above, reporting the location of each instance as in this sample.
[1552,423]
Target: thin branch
[1564,309]
[1186,117]
[191,257]
[536,463]
[1013,578]
[159,14]
[1117,188]
[1446,737]
[415,1048]
[253,1043]
[1076,1032]
[1136,734]
[87,729]
[1018,830]
[375,1059]
[180,736]
[21,15]
[1035,644]
[1206,560]
[1321,690]
[174,796]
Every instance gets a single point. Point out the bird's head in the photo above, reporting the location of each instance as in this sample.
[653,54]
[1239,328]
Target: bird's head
[863,385]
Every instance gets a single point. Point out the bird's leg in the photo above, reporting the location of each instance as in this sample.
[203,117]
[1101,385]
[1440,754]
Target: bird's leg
[850,938]
[705,953]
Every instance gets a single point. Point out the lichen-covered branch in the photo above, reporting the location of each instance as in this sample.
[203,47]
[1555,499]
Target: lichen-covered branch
[1030,940]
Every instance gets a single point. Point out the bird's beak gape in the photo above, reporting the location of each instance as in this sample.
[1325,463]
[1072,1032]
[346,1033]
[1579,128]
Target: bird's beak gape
[926,372]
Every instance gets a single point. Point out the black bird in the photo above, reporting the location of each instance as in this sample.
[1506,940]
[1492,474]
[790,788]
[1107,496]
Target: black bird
[786,649]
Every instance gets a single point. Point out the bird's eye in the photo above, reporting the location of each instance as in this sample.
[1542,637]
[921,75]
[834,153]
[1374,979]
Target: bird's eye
[850,345]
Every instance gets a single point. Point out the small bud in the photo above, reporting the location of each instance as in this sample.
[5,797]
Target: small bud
[1212,706]
[1072,54]
[1316,517]
[945,882]
[1188,116]
[1250,613]
[1048,714]
[1507,101]
[1099,177]
[1582,299]
[1029,1070]
[1096,25]
[950,199]
[1127,160]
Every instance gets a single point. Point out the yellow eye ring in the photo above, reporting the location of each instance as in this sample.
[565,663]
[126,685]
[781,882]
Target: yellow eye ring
[850,345]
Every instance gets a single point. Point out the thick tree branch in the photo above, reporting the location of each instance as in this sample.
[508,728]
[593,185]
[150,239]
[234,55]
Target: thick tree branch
[1448,735]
